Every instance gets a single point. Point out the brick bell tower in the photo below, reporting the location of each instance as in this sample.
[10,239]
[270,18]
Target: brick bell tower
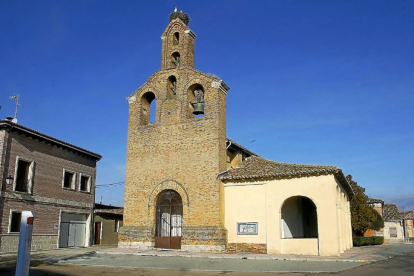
[176,148]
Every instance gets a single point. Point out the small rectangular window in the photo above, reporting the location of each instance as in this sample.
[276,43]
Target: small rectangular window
[247,228]
[393,232]
[22,182]
[15,220]
[68,180]
[84,183]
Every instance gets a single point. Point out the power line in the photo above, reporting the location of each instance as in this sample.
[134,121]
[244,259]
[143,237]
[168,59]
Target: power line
[110,184]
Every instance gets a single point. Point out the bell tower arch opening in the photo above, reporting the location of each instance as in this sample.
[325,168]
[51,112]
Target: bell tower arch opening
[171,86]
[176,38]
[175,59]
[148,108]
[195,98]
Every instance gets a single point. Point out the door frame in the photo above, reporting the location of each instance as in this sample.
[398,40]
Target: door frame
[172,205]
[100,232]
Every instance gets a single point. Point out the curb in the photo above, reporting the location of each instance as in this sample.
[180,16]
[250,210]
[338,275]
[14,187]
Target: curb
[245,257]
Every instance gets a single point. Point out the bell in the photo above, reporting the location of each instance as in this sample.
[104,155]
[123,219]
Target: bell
[198,109]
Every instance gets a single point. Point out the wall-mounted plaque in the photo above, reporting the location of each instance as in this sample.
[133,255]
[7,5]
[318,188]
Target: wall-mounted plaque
[247,228]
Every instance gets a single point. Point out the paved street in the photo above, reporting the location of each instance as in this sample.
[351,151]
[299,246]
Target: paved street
[400,265]
[86,261]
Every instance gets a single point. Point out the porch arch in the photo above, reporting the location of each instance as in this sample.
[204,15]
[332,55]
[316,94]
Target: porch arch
[299,218]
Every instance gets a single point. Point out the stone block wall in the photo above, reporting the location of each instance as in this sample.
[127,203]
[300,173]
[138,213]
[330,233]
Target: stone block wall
[10,243]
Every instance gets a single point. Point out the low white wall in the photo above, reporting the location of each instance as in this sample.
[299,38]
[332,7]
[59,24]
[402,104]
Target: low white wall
[262,201]
[398,226]
[300,246]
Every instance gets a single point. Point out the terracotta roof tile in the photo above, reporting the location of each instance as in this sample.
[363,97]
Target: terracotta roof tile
[409,215]
[257,167]
[391,212]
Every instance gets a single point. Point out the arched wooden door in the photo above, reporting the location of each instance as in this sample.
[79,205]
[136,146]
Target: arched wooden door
[169,218]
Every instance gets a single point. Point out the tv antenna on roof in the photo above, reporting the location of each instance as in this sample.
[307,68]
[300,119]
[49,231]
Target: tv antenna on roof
[15,97]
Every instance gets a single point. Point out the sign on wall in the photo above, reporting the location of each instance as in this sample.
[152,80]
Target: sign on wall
[247,228]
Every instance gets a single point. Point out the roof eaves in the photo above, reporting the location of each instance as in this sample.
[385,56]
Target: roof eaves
[11,125]
[241,147]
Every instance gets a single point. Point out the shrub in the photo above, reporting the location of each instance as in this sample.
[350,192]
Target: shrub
[362,241]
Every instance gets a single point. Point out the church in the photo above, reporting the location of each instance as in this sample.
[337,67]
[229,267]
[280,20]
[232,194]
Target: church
[189,187]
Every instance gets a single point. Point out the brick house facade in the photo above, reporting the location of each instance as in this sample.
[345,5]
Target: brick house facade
[50,177]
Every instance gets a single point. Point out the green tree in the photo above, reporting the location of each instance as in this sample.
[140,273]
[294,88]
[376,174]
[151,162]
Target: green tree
[378,221]
[363,216]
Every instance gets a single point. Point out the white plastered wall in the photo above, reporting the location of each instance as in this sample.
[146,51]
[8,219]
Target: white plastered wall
[262,201]
[398,225]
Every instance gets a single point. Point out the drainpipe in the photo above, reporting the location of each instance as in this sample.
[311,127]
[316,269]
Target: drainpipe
[228,145]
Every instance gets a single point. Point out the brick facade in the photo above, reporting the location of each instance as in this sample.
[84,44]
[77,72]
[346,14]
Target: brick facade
[256,248]
[178,151]
[47,197]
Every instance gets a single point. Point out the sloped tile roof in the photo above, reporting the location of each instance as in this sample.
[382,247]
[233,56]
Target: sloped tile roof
[231,143]
[409,215]
[391,212]
[255,167]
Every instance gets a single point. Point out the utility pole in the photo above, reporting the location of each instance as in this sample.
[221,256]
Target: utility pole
[404,228]
[15,97]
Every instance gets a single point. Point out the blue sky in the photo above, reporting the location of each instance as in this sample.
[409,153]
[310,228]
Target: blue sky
[312,82]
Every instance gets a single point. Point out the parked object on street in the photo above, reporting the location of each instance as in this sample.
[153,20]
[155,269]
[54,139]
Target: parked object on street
[25,242]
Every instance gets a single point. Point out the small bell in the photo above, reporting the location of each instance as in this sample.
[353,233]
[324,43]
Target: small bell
[198,108]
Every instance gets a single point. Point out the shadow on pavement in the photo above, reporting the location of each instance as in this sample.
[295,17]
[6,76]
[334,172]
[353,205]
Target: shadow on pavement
[32,272]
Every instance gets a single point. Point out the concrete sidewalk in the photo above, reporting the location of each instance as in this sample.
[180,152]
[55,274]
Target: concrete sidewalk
[356,254]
